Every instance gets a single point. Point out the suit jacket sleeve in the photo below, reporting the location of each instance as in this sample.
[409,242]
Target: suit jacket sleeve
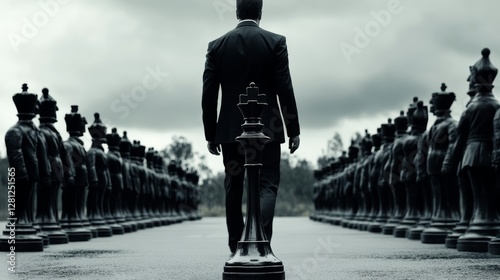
[14,141]
[210,95]
[285,90]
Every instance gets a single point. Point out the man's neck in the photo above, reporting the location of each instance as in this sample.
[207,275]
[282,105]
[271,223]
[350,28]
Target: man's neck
[252,20]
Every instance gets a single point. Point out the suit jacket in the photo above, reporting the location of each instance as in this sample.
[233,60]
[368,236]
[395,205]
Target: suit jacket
[248,54]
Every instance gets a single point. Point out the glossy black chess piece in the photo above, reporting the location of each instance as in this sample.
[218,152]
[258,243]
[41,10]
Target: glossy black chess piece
[253,258]
[26,169]
[74,194]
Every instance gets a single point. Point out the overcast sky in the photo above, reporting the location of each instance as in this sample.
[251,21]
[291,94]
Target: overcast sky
[140,63]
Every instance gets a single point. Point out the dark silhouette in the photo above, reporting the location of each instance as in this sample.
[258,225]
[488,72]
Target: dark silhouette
[248,54]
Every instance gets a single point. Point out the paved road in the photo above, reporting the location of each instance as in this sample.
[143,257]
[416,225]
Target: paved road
[198,251]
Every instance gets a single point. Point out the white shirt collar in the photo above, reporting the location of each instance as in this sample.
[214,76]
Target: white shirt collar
[249,20]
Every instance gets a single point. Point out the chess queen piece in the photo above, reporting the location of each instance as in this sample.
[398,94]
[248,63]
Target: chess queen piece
[477,124]
[47,195]
[99,178]
[395,183]
[27,168]
[441,139]
[115,167]
[253,258]
[74,193]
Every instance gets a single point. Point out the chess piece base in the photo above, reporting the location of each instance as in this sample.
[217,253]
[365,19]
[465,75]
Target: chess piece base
[434,235]
[79,234]
[472,242]
[494,246]
[24,243]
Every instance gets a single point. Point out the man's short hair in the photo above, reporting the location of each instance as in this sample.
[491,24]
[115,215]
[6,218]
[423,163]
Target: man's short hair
[248,9]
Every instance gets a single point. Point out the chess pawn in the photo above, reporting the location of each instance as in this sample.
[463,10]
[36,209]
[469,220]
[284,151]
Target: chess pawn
[99,178]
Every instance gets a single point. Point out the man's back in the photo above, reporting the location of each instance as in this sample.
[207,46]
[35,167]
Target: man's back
[243,55]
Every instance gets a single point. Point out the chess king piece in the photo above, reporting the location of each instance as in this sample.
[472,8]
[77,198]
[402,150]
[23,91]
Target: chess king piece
[441,139]
[74,193]
[253,258]
[128,196]
[115,167]
[28,166]
[47,195]
[99,178]
[380,173]
[475,135]
[395,183]
[418,118]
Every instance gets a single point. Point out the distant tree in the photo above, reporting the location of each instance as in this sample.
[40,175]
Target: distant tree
[334,149]
[181,150]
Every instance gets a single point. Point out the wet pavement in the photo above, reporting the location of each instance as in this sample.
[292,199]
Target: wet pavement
[197,250]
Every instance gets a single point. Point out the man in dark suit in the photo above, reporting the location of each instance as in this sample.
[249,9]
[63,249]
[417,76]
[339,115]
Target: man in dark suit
[243,55]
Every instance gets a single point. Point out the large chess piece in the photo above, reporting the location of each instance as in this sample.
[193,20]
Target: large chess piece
[494,246]
[441,138]
[351,206]
[47,195]
[74,193]
[152,186]
[136,152]
[174,191]
[453,165]
[115,167]
[26,169]
[161,210]
[477,125]
[418,118]
[380,176]
[366,197]
[99,179]
[376,140]
[395,183]
[253,258]
[128,192]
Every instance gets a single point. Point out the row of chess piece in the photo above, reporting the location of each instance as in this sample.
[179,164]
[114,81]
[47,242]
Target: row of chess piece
[439,185]
[103,194]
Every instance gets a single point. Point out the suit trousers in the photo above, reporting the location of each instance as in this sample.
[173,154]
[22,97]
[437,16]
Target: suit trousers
[234,159]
